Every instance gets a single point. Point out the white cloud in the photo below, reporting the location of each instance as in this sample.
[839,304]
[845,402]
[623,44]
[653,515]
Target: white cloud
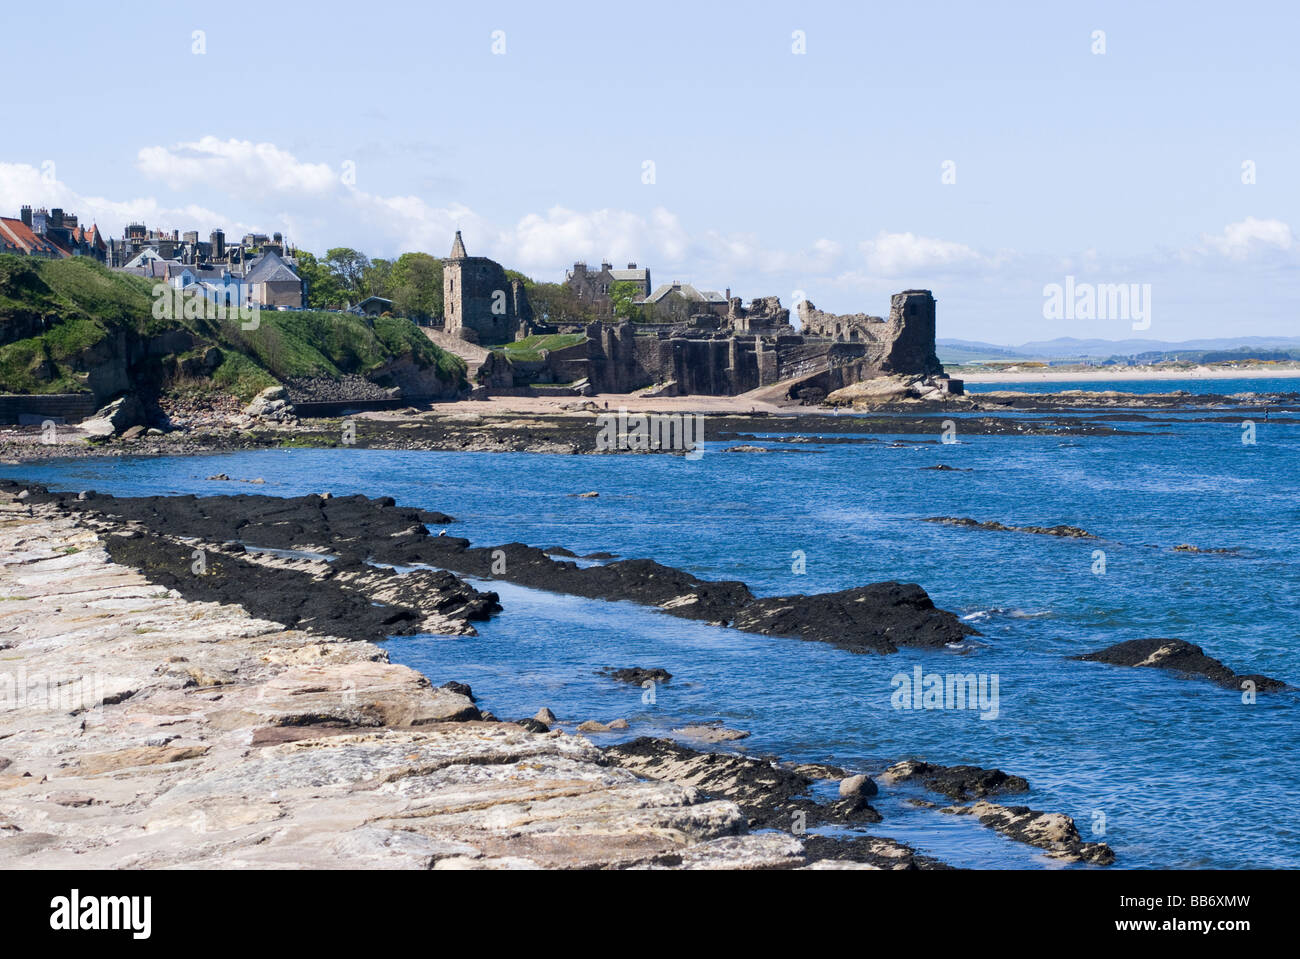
[893,254]
[560,236]
[21,183]
[1248,239]
[239,167]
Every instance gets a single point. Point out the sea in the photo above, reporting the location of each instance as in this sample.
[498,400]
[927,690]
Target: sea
[1170,771]
[1223,387]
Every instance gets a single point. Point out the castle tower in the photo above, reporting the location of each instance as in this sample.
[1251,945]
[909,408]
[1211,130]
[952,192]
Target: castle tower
[480,303]
[453,289]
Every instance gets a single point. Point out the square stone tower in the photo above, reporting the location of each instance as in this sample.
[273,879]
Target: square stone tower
[480,303]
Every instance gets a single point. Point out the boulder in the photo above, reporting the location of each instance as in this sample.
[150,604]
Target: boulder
[272,404]
[882,389]
[853,786]
[711,734]
[117,417]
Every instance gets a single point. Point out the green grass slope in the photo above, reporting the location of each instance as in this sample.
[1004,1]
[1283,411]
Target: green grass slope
[59,318]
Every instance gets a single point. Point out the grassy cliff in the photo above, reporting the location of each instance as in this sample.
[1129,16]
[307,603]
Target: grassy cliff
[63,322]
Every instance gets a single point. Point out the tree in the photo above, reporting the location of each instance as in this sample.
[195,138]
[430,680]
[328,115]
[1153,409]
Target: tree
[349,267]
[323,290]
[377,279]
[417,286]
[621,295]
[557,303]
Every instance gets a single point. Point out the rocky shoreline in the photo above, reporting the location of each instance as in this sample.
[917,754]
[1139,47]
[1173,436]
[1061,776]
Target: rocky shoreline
[203,736]
[573,428]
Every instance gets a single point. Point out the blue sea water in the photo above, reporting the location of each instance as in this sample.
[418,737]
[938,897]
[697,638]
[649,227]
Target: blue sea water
[1171,772]
[1225,387]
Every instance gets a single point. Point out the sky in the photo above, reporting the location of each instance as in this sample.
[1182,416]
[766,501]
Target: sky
[834,151]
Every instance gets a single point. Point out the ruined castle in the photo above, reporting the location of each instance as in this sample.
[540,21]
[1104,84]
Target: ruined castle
[690,342]
[749,348]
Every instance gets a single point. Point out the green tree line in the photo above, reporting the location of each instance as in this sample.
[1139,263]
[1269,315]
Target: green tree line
[345,277]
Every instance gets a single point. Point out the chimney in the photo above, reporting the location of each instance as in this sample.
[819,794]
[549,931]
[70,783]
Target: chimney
[728,293]
[26,215]
[631,266]
[56,218]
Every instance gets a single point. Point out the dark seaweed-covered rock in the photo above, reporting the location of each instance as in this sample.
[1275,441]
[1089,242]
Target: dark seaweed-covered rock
[358,531]
[956,782]
[876,618]
[772,797]
[1054,832]
[636,675]
[1178,656]
[461,688]
[366,603]
[1069,532]
[873,850]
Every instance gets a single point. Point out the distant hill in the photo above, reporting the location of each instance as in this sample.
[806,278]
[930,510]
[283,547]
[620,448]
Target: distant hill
[973,351]
[73,325]
[1070,348]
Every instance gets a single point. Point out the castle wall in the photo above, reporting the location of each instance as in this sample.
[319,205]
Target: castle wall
[620,358]
[903,343]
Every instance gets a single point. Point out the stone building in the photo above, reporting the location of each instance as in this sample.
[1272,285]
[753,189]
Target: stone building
[593,286]
[272,282]
[480,303]
[679,302]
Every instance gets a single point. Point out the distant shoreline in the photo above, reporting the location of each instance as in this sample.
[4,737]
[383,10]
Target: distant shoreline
[1125,373]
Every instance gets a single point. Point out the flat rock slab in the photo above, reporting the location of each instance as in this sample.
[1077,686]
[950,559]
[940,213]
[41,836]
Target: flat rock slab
[144,730]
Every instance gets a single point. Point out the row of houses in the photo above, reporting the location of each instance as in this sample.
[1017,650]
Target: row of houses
[259,270]
[266,280]
[51,234]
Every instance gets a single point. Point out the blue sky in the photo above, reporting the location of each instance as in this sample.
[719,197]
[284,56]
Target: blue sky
[774,171]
